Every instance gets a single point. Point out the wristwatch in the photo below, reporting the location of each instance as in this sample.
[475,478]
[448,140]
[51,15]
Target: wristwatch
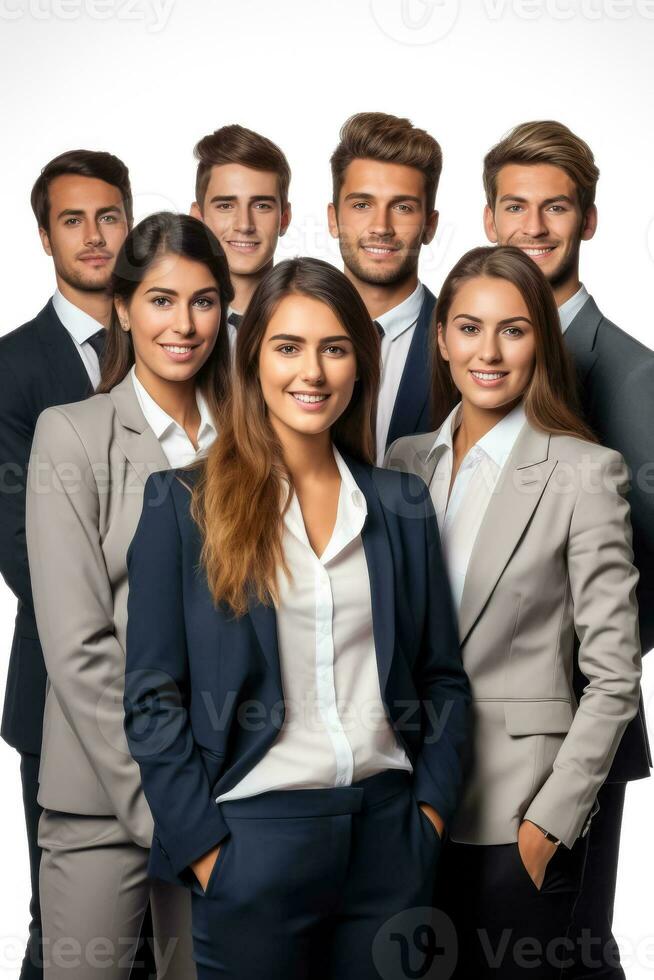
[546,834]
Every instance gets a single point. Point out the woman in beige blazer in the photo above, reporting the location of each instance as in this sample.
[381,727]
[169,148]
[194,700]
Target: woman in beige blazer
[537,541]
[165,372]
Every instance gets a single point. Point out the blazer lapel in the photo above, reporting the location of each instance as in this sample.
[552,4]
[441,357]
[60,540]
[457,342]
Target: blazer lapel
[379,559]
[71,376]
[512,504]
[413,392]
[580,338]
[264,621]
[137,440]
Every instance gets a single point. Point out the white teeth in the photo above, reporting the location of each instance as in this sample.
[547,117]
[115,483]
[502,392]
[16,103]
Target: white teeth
[378,251]
[244,244]
[538,251]
[176,350]
[488,375]
[308,398]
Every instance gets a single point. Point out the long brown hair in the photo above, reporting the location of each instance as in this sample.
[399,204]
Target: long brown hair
[244,486]
[550,400]
[166,233]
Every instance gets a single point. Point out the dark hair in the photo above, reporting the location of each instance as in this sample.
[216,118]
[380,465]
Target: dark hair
[389,139]
[236,499]
[84,163]
[550,400]
[236,144]
[157,235]
[544,141]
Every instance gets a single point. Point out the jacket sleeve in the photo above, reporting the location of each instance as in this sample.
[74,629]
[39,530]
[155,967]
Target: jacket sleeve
[188,822]
[16,431]
[603,583]
[74,612]
[442,684]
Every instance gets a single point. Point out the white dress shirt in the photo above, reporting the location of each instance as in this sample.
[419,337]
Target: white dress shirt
[399,326]
[177,446]
[569,310]
[460,518]
[80,326]
[335,729]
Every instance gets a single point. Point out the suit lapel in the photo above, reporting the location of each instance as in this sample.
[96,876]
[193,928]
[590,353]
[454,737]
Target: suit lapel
[135,438]
[63,357]
[413,392]
[264,621]
[512,504]
[580,338]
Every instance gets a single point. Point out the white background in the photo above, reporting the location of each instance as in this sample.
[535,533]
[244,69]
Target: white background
[146,78]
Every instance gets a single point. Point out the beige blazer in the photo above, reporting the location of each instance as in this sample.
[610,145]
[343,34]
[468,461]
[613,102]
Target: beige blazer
[87,470]
[552,559]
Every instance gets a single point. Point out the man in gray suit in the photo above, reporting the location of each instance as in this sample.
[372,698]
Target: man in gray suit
[540,185]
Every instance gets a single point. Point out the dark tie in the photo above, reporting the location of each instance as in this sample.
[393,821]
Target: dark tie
[380,329]
[234,319]
[97,342]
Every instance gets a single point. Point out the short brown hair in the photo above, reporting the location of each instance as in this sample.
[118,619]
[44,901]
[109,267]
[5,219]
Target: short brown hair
[389,139]
[84,163]
[236,144]
[545,141]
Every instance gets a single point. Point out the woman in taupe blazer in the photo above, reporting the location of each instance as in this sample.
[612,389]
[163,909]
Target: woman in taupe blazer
[165,372]
[537,541]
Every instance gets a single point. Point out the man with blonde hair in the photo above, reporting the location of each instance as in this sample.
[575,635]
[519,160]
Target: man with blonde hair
[385,173]
[540,183]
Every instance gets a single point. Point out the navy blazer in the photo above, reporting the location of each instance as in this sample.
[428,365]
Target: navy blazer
[203,691]
[412,409]
[39,367]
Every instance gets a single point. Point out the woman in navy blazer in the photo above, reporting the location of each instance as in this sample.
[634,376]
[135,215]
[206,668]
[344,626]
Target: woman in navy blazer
[294,691]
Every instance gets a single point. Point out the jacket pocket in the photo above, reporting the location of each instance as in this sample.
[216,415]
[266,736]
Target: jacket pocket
[547,717]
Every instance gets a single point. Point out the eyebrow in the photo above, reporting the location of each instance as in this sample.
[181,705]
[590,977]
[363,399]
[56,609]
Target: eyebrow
[301,340]
[548,200]
[253,199]
[501,323]
[173,292]
[79,212]
[394,200]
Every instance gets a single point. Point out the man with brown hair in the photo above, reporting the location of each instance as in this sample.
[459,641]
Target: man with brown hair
[540,185]
[385,173]
[241,193]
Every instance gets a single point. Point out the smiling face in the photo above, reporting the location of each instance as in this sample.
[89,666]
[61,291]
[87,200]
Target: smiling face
[489,343]
[87,226]
[537,209]
[381,221]
[174,317]
[307,367]
[243,209]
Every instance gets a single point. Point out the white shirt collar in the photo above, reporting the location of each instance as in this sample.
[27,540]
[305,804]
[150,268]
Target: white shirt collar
[79,324]
[403,316]
[569,310]
[496,444]
[159,421]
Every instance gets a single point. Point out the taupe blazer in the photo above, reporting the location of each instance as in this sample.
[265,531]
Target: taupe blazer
[552,559]
[87,471]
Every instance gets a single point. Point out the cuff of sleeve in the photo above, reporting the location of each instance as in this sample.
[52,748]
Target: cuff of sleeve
[189,844]
[558,811]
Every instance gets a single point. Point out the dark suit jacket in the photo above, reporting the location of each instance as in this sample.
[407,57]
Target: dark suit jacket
[616,377]
[39,367]
[412,409]
[203,691]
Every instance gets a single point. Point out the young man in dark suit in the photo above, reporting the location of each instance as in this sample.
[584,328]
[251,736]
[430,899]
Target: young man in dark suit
[385,173]
[82,202]
[540,185]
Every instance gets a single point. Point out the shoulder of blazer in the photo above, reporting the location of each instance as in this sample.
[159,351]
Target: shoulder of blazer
[388,488]
[410,450]
[23,339]
[84,416]
[582,454]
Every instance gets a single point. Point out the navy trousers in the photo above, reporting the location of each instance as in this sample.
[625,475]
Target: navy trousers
[322,884]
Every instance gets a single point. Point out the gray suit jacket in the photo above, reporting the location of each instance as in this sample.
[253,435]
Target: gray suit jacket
[87,471]
[552,558]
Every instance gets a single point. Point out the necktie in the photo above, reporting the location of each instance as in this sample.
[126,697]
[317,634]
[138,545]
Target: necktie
[98,341]
[234,319]
[380,329]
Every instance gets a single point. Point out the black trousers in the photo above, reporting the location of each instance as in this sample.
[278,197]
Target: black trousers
[596,951]
[322,884]
[32,966]
[505,926]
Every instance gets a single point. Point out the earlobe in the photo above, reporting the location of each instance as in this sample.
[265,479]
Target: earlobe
[590,224]
[287,215]
[441,343]
[45,241]
[195,211]
[489,225]
[430,230]
[332,220]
